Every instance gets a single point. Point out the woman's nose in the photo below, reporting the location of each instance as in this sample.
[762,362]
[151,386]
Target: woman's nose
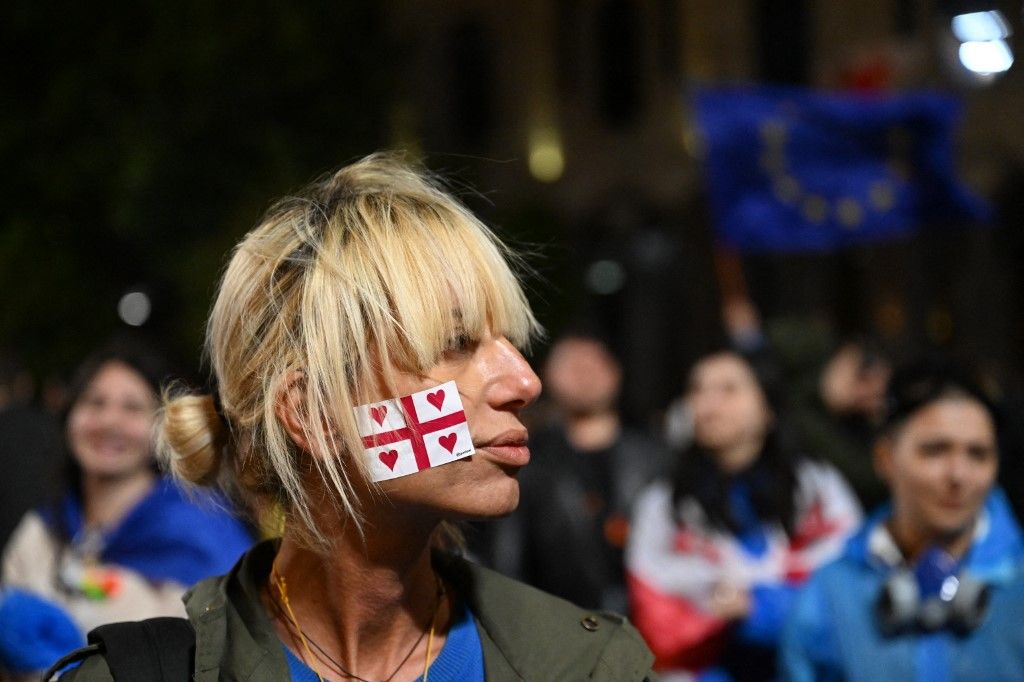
[515,384]
[959,468]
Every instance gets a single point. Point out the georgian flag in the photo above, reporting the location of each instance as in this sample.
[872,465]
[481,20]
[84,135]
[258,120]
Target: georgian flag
[405,435]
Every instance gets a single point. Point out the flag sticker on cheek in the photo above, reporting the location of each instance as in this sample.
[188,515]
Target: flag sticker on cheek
[402,436]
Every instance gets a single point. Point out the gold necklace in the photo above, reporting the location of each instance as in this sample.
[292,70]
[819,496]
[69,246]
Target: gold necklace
[306,640]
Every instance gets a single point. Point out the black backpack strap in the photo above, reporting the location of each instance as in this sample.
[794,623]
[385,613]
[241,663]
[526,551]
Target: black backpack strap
[157,650]
[76,656]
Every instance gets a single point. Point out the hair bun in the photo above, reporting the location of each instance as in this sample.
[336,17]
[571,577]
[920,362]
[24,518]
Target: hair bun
[192,438]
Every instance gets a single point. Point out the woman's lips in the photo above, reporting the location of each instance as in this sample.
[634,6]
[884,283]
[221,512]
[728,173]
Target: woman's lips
[510,448]
[107,446]
[512,455]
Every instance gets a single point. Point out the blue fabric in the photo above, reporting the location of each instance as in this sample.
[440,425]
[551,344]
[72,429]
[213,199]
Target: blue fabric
[752,536]
[832,633]
[167,536]
[770,605]
[299,671]
[931,662]
[791,169]
[34,632]
[461,659]
[714,675]
[932,569]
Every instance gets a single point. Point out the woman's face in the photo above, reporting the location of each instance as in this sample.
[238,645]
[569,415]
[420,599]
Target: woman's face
[495,382]
[110,426]
[582,376]
[940,465]
[729,408]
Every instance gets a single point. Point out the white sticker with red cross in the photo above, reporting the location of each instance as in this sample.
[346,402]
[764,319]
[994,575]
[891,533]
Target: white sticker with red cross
[406,435]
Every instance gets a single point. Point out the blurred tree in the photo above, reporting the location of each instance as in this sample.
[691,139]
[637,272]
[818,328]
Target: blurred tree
[140,142]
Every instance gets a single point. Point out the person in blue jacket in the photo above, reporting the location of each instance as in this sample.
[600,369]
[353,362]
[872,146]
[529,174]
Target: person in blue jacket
[932,587]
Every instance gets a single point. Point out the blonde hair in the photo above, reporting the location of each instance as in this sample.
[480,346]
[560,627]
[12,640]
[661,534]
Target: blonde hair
[373,267]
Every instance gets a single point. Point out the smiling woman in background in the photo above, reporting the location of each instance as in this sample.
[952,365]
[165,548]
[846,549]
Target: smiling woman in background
[123,543]
[365,340]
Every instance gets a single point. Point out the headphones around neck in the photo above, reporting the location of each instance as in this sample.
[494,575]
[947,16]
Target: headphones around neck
[933,595]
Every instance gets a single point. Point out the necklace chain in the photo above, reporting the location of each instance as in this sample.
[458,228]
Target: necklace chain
[306,640]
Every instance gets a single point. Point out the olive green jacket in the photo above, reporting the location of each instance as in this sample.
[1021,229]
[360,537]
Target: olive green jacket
[526,634]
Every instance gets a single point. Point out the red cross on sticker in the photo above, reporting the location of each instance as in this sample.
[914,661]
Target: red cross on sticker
[403,436]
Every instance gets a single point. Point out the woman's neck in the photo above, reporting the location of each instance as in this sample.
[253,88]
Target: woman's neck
[107,500]
[737,458]
[912,540]
[367,603]
[592,431]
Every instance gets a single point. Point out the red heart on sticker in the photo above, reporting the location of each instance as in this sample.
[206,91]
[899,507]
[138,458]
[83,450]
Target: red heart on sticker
[378,413]
[436,398]
[448,442]
[389,457]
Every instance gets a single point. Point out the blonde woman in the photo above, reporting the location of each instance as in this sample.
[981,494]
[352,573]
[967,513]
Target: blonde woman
[343,318]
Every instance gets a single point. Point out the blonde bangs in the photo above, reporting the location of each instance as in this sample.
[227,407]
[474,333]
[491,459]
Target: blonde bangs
[453,279]
[423,276]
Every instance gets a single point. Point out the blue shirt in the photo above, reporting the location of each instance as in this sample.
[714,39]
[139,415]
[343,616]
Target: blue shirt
[461,659]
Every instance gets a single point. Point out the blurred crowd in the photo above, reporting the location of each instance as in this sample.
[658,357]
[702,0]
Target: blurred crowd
[851,527]
[753,531]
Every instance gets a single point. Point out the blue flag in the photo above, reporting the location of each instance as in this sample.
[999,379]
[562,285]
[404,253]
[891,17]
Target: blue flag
[790,169]
[166,536]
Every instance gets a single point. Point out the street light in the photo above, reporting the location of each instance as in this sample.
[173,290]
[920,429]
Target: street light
[980,38]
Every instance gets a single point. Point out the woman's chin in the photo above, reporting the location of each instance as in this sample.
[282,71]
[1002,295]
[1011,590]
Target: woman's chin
[493,501]
[110,470]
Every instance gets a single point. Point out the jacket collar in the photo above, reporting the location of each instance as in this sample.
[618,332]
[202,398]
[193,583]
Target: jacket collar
[236,640]
[995,556]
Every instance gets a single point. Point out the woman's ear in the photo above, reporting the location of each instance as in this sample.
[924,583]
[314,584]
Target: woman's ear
[290,408]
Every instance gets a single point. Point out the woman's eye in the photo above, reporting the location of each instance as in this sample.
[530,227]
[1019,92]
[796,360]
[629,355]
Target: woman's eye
[934,448]
[135,407]
[93,403]
[459,344]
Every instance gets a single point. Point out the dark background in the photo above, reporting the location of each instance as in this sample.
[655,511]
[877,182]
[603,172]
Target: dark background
[140,143]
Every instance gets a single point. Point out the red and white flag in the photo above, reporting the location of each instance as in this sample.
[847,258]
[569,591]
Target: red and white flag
[402,436]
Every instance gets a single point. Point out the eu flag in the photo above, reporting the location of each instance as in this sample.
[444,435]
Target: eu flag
[790,169]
